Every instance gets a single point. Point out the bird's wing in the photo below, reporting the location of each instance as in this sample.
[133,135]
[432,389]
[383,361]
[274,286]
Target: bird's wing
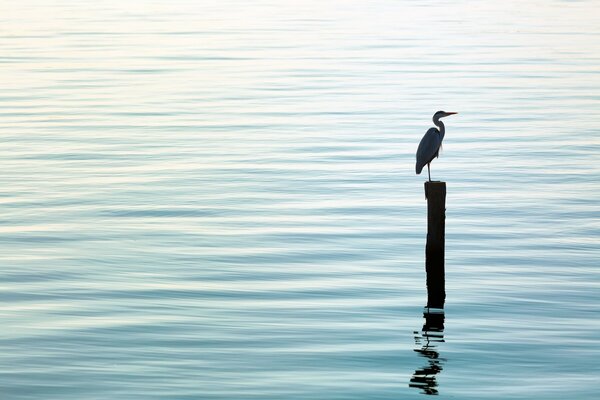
[428,148]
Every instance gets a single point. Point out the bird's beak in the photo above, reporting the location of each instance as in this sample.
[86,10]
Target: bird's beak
[451,113]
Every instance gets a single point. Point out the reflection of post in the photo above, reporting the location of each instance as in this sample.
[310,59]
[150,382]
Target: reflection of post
[432,333]
[435,192]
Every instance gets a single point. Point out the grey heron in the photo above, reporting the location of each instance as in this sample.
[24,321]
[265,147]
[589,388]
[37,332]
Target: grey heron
[430,144]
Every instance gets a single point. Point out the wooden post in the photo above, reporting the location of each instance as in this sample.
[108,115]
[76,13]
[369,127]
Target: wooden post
[435,192]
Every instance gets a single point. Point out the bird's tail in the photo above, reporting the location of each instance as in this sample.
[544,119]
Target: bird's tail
[418,168]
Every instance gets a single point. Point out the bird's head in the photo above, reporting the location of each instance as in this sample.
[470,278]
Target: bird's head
[442,114]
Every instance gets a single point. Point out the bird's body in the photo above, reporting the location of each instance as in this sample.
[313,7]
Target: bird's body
[429,147]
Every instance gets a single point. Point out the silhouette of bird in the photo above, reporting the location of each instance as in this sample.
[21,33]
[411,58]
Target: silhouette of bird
[429,147]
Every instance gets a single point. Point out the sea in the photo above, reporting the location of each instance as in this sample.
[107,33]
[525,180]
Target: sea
[217,200]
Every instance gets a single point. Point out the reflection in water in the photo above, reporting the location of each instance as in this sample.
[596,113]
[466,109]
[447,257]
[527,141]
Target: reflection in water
[427,342]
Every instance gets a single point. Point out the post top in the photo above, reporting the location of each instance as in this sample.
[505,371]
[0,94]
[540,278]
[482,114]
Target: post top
[435,187]
[435,183]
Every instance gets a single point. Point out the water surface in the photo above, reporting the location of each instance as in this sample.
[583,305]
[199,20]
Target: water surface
[207,200]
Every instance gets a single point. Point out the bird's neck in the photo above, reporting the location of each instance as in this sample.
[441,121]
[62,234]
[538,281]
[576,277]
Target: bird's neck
[441,126]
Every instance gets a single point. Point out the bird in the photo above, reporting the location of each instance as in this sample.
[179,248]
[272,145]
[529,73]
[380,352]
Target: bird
[429,147]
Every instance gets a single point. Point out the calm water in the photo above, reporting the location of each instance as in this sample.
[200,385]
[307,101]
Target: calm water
[217,200]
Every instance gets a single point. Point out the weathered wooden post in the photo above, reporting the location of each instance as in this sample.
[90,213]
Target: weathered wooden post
[435,192]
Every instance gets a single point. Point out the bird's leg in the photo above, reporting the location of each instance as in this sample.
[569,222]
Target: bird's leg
[428,172]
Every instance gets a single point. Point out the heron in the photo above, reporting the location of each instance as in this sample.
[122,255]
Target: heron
[429,147]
